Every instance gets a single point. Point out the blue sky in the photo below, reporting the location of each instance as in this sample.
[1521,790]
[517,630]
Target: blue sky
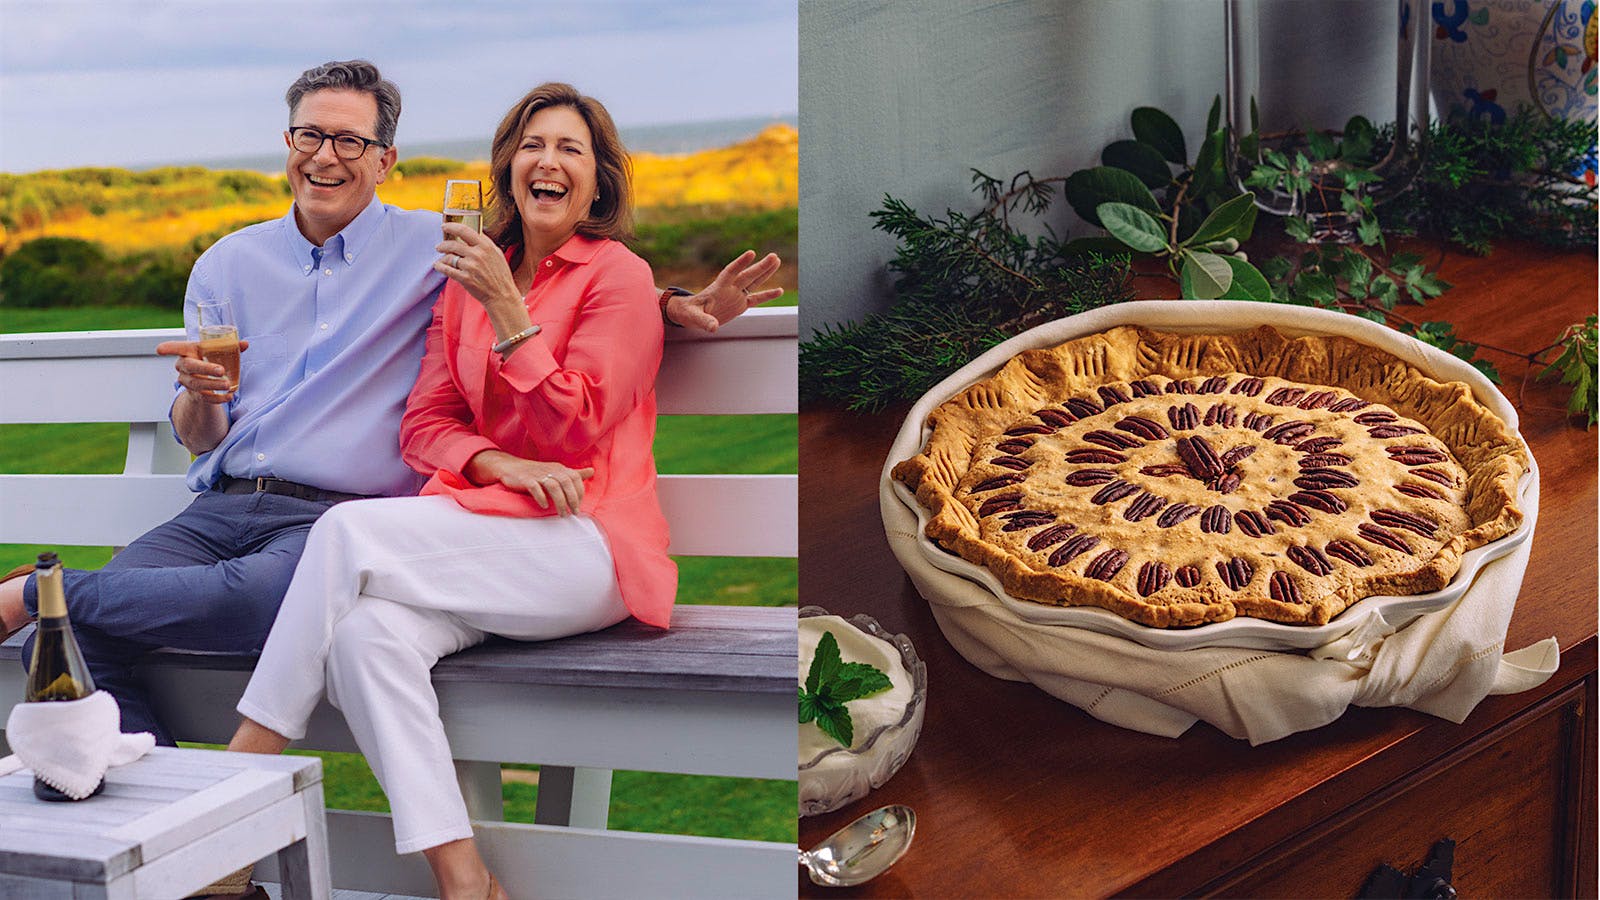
[103,82]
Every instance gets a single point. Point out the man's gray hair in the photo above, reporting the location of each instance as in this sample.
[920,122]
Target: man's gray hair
[351,75]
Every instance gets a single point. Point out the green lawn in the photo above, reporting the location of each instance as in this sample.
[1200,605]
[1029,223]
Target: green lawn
[641,801]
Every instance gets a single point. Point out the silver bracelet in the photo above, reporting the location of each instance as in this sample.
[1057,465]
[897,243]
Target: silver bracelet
[516,339]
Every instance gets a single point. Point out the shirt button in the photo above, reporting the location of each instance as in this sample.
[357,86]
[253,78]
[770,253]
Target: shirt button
[327,271]
[324,326]
[349,257]
[261,456]
[307,268]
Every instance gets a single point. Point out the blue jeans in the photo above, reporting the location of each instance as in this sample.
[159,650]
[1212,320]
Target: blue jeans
[211,578]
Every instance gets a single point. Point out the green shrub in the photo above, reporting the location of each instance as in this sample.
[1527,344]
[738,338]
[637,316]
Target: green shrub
[428,165]
[711,242]
[53,271]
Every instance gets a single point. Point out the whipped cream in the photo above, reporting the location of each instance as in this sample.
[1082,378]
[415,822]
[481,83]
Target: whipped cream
[867,714]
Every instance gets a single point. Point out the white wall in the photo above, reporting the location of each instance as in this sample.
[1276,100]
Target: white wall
[905,96]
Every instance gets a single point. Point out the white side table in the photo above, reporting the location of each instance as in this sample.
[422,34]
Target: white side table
[166,825]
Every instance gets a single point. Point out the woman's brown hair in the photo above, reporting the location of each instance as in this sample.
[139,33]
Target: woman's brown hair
[611,216]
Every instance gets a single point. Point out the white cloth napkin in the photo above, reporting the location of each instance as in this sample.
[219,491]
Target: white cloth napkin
[1443,663]
[69,744]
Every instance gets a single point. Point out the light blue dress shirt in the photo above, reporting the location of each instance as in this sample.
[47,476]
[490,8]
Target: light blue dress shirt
[336,335]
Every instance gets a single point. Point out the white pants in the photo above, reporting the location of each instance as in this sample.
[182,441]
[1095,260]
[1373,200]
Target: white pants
[387,587]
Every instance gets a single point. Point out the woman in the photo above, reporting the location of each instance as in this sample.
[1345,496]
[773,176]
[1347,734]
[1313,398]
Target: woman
[535,413]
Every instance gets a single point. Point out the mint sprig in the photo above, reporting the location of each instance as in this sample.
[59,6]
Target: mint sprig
[830,684]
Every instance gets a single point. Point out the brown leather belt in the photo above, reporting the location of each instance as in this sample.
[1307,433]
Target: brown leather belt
[230,485]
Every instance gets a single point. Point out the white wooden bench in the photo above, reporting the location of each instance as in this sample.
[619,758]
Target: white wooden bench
[709,697]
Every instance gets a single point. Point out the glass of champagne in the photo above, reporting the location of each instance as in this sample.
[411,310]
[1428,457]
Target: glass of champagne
[219,338]
[463,203]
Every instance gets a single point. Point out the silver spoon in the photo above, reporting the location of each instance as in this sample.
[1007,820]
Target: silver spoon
[862,850]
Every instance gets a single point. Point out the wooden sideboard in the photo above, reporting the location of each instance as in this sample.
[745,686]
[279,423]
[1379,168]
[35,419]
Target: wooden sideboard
[1021,795]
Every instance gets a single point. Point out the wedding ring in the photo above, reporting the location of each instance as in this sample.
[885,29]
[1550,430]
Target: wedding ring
[451,260]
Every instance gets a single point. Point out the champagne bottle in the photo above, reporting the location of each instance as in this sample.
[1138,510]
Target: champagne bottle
[57,671]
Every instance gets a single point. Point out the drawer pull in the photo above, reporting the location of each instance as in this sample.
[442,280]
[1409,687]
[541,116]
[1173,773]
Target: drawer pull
[1430,882]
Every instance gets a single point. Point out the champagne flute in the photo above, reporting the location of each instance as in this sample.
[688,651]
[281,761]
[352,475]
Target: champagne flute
[463,203]
[219,338]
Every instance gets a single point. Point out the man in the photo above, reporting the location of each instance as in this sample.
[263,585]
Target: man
[335,298]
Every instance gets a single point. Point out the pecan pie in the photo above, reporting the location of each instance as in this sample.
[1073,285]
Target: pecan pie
[1183,479]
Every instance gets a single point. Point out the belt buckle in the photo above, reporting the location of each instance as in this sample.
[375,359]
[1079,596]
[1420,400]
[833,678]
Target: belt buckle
[261,484]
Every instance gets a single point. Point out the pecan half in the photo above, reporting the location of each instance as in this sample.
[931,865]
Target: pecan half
[1026,518]
[1283,589]
[1413,489]
[999,481]
[1110,396]
[1184,417]
[1187,576]
[1286,396]
[1082,407]
[1144,506]
[1216,384]
[1015,445]
[1383,536]
[1320,500]
[1392,431]
[1434,475]
[1177,512]
[1090,455]
[1288,513]
[1250,387]
[1000,504]
[1051,536]
[1232,457]
[1236,572]
[1142,388]
[1394,518]
[1318,444]
[1107,565]
[1153,576]
[1310,559]
[1258,421]
[1349,404]
[1222,414]
[1253,523]
[1227,483]
[1164,470]
[1180,387]
[1116,490]
[1060,418]
[1317,400]
[1142,427]
[1325,479]
[1376,417]
[1113,440]
[1289,432]
[1415,456]
[1201,460]
[1029,429]
[1349,552]
[1074,547]
[1014,463]
[1088,477]
[1323,460]
[1216,520]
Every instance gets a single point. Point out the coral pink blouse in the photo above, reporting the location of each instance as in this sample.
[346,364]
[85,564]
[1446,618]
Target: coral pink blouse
[581,392]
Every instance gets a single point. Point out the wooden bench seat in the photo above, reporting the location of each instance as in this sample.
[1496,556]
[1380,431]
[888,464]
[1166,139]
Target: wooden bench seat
[708,697]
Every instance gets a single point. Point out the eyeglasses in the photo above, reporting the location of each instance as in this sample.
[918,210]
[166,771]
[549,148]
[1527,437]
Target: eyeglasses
[345,146]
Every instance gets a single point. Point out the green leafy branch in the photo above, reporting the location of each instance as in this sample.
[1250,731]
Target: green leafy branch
[1576,366]
[830,684]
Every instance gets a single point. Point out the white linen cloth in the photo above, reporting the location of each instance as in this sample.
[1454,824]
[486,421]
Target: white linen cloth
[1443,663]
[69,744]
[384,589]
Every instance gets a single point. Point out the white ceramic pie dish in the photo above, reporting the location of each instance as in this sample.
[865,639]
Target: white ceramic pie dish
[1380,614]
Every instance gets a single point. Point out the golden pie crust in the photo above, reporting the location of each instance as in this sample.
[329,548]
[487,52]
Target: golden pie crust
[1179,479]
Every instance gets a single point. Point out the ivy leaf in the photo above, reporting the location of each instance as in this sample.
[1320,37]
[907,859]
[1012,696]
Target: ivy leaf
[1374,315]
[1298,229]
[1317,287]
[825,664]
[1385,291]
[1577,367]
[1322,146]
[1248,282]
[1265,177]
[1157,129]
[1369,232]
[1234,219]
[1132,226]
[1358,273]
[1089,188]
[1143,160]
[1205,276]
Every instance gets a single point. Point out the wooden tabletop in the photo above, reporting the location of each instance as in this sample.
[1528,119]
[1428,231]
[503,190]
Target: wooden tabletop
[1020,794]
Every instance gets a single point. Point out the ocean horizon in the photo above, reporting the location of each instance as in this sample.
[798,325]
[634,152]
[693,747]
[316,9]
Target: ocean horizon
[671,139]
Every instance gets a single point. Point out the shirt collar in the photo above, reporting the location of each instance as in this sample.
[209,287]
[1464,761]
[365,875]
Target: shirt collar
[348,243]
[579,249]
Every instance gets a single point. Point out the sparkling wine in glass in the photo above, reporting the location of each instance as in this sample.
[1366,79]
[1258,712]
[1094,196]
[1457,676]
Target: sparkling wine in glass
[463,203]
